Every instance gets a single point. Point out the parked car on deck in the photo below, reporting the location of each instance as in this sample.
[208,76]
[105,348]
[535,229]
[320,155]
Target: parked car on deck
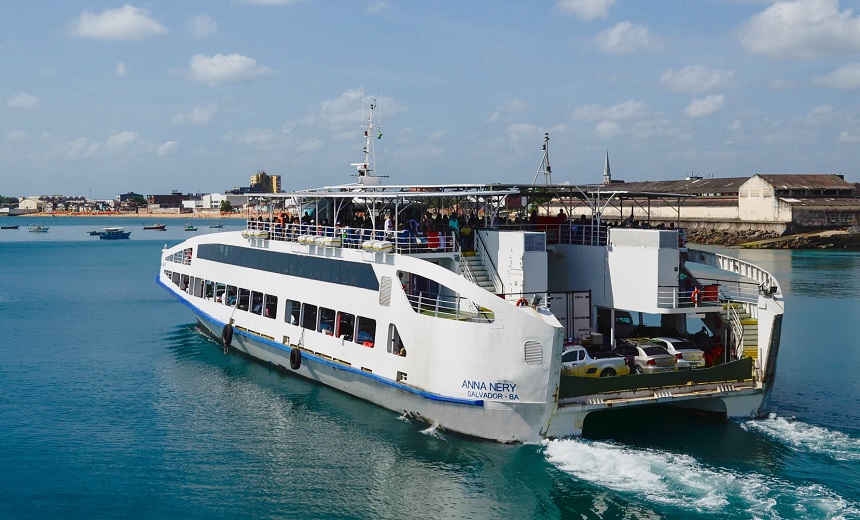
[576,361]
[684,350]
[647,358]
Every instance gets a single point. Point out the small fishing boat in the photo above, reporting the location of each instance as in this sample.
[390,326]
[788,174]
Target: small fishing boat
[35,228]
[156,227]
[216,226]
[94,232]
[9,227]
[114,233]
[190,227]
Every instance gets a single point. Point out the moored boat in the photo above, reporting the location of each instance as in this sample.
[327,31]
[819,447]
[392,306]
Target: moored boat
[360,287]
[15,226]
[156,227]
[35,228]
[190,227]
[114,233]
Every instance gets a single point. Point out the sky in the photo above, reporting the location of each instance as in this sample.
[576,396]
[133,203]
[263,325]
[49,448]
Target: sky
[100,98]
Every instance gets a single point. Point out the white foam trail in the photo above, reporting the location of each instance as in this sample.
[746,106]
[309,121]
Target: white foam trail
[680,481]
[806,437]
[433,431]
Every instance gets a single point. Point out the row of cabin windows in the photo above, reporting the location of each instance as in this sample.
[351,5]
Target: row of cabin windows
[339,324]
[181,257]
[357,329]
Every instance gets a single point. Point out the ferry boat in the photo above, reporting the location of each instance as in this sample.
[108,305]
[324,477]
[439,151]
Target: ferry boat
[464,328]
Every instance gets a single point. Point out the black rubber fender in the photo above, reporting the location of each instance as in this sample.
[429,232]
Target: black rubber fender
[295,359]
[227,335]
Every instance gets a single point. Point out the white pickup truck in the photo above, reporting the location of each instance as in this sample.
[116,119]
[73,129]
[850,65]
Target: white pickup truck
[576,361]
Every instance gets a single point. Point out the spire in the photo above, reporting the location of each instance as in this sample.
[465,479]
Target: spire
[607,175]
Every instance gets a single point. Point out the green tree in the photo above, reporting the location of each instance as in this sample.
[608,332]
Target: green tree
[226,207]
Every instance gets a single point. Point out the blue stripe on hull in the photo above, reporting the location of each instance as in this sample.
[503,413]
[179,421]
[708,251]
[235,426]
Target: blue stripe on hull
[317,359]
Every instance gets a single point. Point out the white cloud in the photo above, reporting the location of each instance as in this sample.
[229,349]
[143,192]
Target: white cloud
[340,115]
[846,138]
[17,135]
[819,113]
[22,100]
[627,38]
[607,130]
[846,77]
[802,29]
[706,106]
[121,141]
[629,110]
[585,9]
[125,23]
[121,69]
[510,107]
[167,149]
[197,116]
[80,148]
[200,25]
[375,7]
[695,79]
[736,125]
[225,68]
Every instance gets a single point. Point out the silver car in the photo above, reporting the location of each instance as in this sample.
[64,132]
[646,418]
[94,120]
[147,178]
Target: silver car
[647,358]
[684,350]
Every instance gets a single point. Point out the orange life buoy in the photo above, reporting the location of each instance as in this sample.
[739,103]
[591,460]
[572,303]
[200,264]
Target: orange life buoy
[695,296]
[522,302]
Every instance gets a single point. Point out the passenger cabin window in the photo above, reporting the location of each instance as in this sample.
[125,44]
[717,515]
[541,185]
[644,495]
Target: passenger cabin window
[256,302]
[345,326]
[244,299]
[326,321]
[271,306]
[220,288]
[232,294]
[293,312]
[366,334]
[309,316]
[209,290]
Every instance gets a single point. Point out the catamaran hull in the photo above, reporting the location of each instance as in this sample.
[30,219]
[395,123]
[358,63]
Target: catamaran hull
[497,421]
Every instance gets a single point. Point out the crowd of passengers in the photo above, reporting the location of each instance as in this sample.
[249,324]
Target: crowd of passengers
[415,231]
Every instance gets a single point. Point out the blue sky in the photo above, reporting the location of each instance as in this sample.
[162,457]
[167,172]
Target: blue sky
[100,98]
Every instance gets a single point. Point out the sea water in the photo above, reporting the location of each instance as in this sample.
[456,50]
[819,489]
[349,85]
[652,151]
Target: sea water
[112,405]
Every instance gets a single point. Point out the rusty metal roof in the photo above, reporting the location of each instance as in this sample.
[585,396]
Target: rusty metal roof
[691,186]
[803,181]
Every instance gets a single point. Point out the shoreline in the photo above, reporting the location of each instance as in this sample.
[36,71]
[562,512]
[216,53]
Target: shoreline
[155,216]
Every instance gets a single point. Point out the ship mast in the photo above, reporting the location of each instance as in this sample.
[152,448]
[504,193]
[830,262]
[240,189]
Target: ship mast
[366,168]
[544,167]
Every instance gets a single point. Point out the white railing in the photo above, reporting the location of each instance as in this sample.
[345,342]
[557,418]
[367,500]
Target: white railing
[737,330]
[671,297]
[404,241]
[448,307]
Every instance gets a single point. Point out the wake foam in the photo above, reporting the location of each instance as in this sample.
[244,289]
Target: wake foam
[806,437]
[680,481]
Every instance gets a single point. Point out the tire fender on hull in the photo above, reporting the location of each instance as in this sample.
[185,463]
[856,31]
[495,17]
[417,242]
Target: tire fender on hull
[295,358]
[227,336]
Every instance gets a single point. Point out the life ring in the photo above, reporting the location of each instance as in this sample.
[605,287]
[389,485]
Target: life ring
[227,336]
[695,296]
[522,302]
[295,359]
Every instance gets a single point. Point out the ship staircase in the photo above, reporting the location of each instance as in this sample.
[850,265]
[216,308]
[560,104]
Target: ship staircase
[475,271]
[743,329]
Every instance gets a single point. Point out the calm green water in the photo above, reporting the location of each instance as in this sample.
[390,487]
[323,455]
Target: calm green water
[113,406]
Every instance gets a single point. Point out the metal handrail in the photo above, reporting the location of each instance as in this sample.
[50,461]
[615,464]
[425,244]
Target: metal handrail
[403,242]
[481,249]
